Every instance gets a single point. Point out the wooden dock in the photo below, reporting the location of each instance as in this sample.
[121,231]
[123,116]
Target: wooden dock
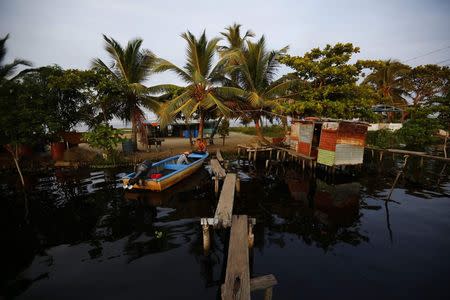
[237,277]
[237,284]
[224,210]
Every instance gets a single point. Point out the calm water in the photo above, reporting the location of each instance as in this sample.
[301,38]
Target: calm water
[78,235]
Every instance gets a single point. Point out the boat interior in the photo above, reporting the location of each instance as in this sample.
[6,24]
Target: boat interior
[169,166]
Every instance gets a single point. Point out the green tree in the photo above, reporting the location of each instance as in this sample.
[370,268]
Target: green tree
[105,138]
[20,119]
[203,92]
[131,66]
[224,129]
[389,78]
[425,83]
[328,84]
[7,70]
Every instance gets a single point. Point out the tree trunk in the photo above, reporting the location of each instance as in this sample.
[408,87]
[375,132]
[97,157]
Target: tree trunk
[191,143]
[133,131]
[258,130]
[223,140]
[15,154]
[201,125]
[213,133]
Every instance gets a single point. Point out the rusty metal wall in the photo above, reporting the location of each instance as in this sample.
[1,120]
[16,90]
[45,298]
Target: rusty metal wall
[347,154]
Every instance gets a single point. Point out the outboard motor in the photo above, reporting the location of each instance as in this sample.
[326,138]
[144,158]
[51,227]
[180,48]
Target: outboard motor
[142,171]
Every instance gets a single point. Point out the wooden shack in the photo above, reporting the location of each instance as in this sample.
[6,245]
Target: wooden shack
[293,136]
[342,143]
[308,137]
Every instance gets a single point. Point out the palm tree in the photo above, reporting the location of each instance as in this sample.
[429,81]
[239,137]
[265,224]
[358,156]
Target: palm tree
[234,39]
[132,66]
[255,71]
[203,92]
[8,69]
[388,78]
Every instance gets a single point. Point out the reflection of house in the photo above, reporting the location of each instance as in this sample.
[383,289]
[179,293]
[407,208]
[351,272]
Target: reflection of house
[336,204]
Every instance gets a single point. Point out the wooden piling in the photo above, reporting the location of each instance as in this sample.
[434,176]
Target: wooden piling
[206,239]
[238,185]
[398,176]
[216,185]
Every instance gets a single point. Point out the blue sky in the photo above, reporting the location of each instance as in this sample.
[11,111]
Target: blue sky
[69,33]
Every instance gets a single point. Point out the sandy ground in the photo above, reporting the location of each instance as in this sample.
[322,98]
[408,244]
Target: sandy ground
[170,146]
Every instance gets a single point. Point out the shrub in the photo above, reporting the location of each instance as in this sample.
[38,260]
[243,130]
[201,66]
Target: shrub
[383,138]
[105,138]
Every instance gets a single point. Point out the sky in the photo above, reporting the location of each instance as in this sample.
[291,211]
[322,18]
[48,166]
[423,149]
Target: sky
[69,33]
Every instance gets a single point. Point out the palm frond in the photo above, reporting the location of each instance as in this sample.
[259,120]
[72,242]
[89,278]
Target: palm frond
[163,65]
[212,101]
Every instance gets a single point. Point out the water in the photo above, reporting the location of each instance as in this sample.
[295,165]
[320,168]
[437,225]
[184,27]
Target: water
[77,234]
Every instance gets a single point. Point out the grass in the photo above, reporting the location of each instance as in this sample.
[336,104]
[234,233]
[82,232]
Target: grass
[272,131]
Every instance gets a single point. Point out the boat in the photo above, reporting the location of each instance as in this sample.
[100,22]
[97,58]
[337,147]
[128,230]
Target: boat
[166,173]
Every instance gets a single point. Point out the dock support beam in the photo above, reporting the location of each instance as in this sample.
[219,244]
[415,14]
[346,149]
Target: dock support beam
[216,185]
[206,240]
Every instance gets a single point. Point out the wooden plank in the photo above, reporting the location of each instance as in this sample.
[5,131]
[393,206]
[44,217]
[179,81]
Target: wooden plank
[237,277]
[217,168]
[400,151]
[412,153]
[295,153]
[219,156]
[224,210]
[262,282]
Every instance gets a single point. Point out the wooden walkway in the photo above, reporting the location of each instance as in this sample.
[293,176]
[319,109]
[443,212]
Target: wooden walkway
[238,284]
[224,210]
[410,153]
[237,278]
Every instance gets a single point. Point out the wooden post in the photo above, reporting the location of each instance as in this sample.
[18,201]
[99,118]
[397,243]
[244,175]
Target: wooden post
[205,229]
[254,155]
[445,146]
[238,184]
[267,164]
[270,154]
[398,176]
[249,155]
[381,156]
[216,185]
[421,162]
[268,293]
[278,155]
[251,236]
[303,164]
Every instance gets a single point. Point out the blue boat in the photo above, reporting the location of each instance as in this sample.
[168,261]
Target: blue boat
[167,172]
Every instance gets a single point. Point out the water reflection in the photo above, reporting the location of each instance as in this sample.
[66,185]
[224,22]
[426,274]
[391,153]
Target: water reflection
[85,220]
